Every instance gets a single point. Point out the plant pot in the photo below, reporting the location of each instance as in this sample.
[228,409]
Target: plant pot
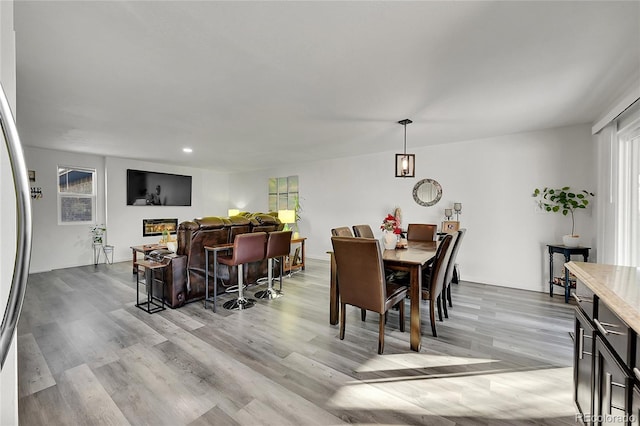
[571,240]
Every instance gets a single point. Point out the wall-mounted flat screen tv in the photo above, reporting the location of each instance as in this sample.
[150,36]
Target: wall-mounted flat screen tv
[157,189]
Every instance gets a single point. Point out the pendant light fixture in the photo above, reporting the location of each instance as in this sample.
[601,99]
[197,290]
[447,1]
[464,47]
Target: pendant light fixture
[405,163]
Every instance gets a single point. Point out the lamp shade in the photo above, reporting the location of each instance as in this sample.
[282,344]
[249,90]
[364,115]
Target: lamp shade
[287,216]
[233,212]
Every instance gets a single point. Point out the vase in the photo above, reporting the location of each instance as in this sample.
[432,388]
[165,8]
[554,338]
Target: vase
[389,240]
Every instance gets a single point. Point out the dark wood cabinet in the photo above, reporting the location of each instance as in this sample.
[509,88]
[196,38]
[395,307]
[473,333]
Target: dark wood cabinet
[583,373]
[635,406]
[607,309]
[606,390]
[635,397]
[612,388]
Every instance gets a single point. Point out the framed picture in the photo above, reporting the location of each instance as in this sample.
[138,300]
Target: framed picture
[296,257]
[32,175]
[450,226]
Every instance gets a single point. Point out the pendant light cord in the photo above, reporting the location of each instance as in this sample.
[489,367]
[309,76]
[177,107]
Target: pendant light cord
[405,139]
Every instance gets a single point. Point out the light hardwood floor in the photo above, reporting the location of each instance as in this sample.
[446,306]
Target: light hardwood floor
[88,356]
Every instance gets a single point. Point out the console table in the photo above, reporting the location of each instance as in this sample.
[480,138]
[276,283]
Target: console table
[290,263]
[567,252]
[214,250]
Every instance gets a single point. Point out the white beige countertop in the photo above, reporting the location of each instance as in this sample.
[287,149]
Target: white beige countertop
[617,286]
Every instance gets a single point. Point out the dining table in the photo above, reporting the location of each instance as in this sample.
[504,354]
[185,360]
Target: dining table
[411,259]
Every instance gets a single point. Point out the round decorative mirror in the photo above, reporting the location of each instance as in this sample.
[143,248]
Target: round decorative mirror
[427,192]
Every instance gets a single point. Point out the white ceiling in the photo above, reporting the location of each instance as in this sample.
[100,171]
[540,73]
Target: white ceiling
[251,84]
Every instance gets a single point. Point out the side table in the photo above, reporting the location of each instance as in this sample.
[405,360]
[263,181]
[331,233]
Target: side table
[151,305]
[144,249]
[567,252]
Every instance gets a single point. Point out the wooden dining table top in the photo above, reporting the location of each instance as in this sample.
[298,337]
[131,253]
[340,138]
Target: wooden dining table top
[417,252]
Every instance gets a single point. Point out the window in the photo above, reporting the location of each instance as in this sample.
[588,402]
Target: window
[76,196]
[628,241]
[618,194]
[283,193]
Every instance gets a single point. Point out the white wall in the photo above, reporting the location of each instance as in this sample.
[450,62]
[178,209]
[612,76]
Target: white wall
[124,223]
[210,192]
[493,179]
[48,236]
[9,374]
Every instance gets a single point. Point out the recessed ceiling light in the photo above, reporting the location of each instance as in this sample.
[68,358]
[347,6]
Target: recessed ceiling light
[187,149]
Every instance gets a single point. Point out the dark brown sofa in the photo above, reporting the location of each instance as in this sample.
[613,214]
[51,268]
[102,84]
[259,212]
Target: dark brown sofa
[188,274]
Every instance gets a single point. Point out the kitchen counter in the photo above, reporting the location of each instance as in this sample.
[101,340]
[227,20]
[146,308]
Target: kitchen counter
[617,286]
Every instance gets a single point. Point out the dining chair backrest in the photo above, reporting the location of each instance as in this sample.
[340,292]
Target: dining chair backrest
[439,267]
[360,272]
[343,231]
[363,231]
[421,232]
[458,236]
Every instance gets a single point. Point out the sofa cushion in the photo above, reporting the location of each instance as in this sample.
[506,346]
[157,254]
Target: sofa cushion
[210,222]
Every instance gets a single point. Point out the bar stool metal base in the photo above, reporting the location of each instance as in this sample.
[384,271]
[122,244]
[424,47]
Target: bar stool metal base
[239,304]
[270,293]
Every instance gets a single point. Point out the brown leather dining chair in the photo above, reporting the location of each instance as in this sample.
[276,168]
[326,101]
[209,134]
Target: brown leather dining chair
[451,266]
[278,246]
[363,231]
[432,287]
[342,231]
[421,232]
[250,247]
[345,231]
[362,282]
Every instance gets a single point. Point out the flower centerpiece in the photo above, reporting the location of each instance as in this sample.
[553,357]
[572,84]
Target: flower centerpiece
[391,231]
[390,224]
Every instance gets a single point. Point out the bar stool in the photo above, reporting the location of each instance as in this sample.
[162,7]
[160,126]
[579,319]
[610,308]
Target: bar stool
[246,248]
[278,246]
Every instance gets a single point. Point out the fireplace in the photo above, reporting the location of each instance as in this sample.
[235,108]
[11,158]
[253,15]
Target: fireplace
[151,227]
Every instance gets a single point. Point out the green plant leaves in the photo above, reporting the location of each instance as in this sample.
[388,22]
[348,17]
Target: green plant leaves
[563,200]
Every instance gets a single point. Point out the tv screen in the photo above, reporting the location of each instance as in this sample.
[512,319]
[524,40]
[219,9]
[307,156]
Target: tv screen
[157,189]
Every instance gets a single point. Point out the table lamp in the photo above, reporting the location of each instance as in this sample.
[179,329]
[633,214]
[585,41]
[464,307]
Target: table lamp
[287,217]
[233,212]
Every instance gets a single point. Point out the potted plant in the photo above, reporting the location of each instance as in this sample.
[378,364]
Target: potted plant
[97,233]
[565,201]
[297,208]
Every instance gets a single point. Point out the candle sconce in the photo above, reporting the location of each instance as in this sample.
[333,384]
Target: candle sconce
[457,207]
[448,213]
